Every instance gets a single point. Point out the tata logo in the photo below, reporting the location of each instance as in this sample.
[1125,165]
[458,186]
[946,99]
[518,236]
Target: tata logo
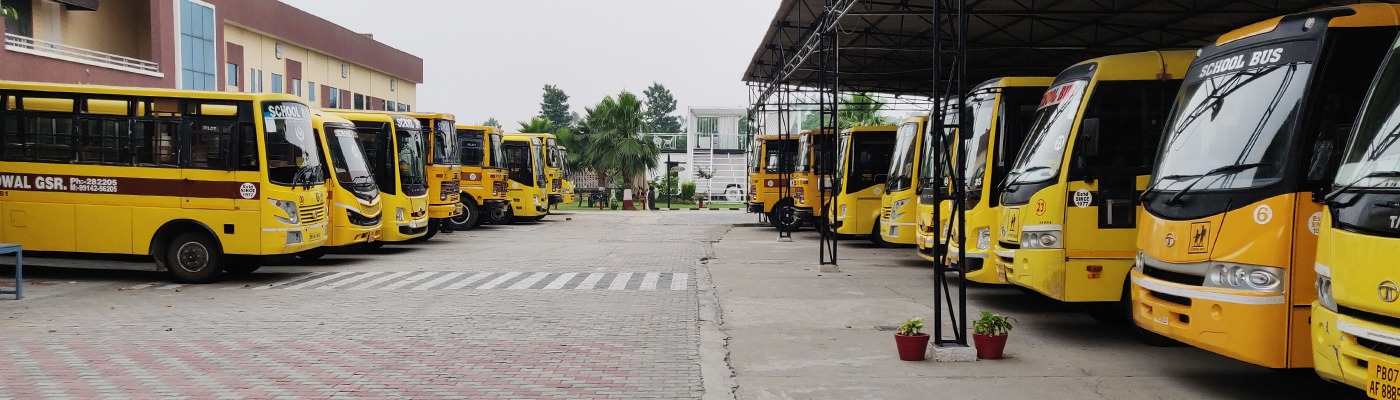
[1171,239]
[1388,291]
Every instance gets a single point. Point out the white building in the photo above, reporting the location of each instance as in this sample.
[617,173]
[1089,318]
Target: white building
[713,143]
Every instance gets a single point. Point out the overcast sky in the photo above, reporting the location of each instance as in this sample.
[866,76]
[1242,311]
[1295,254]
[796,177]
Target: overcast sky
[492,58]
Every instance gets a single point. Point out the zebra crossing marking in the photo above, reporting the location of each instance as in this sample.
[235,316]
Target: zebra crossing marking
[456,280]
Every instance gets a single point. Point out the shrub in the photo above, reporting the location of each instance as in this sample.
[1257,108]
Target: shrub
[687,190]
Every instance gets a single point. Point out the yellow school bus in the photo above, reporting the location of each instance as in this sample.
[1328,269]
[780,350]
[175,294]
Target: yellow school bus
[483,175]
[397,153]
[1354,326]
[203,182]
[899,205]
[771,156]
[528,191]
[933,190]
[567,186]
[1227,247]
[351,190]
[809,173]
[1001,111]
[554,168]
[863,160]
[1068,223]
[444,166]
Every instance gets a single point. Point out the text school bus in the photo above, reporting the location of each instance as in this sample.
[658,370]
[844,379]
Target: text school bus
[396,150]
[771,156]
[863,160]
[528,190]
[203,182]
[1001,110]
[444,165]
[351,190]
[1354,328]
[1228,240]
[483,175]
[1068,227]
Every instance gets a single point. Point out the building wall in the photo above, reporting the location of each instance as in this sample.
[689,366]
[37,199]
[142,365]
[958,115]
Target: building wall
[260,52]
[121,27]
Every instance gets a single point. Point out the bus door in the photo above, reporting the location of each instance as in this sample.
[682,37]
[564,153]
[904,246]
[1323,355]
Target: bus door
[210,140]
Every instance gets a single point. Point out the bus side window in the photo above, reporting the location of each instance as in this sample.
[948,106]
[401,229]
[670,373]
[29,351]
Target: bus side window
[53,138]
[155,144]
[247,147]
[211,144]
[104,141]
[13,149]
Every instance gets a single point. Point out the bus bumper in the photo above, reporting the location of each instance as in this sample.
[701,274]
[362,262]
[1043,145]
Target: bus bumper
[902,233]
[1339,354]
[444,211]
[979,268]
[347,235]
[756,208]
[294,240]
[1247,326]
[404,231]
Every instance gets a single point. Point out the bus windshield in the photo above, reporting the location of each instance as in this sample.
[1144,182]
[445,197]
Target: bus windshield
[349,163]
[1372,156]
[412,165]
[291,145]
[1236,118]
[980,107]
[902,167]
[444,135]
[473,147]
[538,152]
[931,176]
[519,163]
[498,155]
[773,155]
[553,147]
[1040,160]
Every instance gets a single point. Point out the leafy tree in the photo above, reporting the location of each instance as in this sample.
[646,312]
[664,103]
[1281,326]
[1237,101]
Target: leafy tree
[536,125]
[492,122]
[615,141]
[857,109]
[555,108]
[660,104]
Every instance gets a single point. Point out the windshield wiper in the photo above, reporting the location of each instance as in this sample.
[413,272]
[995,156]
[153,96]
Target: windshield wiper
[1015,175]
[300,172]
[1331,198]
[1222,171]
[1163,179]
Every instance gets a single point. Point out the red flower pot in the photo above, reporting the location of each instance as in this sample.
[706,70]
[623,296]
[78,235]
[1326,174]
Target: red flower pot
[989,347]
[911,348]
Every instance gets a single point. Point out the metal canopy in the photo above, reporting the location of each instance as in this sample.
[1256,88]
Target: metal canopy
[886,46]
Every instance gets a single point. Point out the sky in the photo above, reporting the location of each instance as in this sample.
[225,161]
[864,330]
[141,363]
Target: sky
[492,58]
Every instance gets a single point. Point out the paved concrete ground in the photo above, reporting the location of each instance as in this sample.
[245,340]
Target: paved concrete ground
[678,304]
[797,333]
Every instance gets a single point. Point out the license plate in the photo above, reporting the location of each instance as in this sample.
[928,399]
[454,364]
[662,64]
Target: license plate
[1383,380]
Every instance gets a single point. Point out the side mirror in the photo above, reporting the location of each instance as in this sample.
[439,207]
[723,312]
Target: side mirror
[1089,137]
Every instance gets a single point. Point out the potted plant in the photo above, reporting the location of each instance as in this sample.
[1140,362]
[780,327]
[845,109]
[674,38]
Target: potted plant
[911,341]
[989,334]
[700,200]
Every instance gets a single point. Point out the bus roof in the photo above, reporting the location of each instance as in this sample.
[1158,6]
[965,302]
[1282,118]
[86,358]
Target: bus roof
[538,135]
[880,128]
[487,129]
[413,114]
[1362,15]
[327,117]
[1158,64]
[141,91]
[1015,81]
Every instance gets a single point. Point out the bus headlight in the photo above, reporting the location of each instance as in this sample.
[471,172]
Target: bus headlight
[1245,277]
[984,238]
[843,211]
[287,207]
[398,214]
[1048,239]
[1324,293]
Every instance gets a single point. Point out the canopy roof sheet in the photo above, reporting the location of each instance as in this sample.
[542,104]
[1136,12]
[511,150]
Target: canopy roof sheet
[887,45]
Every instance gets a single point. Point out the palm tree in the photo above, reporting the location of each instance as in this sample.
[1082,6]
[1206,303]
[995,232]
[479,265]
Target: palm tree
[537,125]
[615,142]
[859,109]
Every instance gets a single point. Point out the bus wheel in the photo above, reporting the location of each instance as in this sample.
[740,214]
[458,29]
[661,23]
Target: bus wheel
[784,216]
[193,258]
[432,231]
[877,239]
[499,215]
[470,218]
[509,217]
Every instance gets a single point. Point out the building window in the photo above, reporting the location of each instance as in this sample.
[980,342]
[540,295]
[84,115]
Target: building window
[277,84]
[296,87]
[311,91]
[390,106]
[255,80]
[333,97]
[231,70]
[405,108]
[197,55]
[359,101]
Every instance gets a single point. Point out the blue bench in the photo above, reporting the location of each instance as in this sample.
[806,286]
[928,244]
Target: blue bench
[6,248]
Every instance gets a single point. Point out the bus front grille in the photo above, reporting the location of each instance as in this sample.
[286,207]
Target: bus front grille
[312,214]
[886,212]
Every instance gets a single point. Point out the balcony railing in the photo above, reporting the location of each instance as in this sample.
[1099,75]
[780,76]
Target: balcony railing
[80,55]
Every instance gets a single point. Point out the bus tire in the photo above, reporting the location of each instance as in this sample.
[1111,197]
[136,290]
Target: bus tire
[470,218]
[877,239]
[499,214]
[432,231]
[193,257]
[509,217]
[784,216]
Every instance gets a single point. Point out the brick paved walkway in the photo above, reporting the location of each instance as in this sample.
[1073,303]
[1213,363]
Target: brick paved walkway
[601,306]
